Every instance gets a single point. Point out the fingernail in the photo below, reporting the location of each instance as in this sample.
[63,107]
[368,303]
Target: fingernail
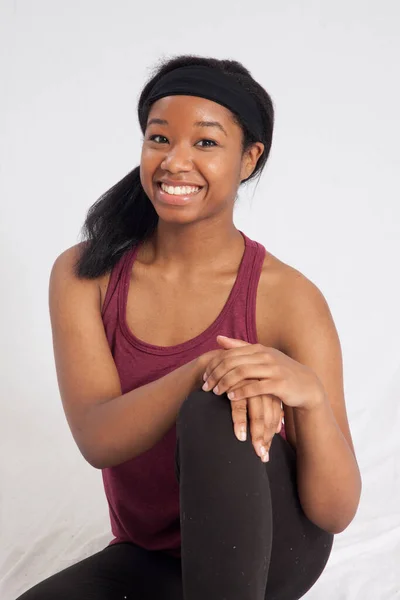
[242,435]
[205,386]
[265,457]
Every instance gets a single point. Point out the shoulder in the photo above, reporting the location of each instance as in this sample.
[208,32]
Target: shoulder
[67,258]
[305,308]
[301,313]
[63,278]
[293,291]
[282,291]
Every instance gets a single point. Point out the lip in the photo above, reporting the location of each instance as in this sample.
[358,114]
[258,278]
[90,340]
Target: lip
[173,199]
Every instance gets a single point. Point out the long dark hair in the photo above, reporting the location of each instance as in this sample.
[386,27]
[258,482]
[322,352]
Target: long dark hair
[124,215]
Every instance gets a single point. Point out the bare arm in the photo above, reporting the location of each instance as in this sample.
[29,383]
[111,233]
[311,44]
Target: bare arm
[121,428]
[329,480]
[109,427]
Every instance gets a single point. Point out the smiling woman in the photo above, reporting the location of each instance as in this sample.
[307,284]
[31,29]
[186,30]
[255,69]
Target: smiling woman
[210,495]
[174,144]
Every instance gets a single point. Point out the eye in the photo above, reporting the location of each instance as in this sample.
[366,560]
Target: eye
[152,139]
[212,141]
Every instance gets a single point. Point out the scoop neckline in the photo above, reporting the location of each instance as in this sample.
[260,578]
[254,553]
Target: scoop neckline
[188,344]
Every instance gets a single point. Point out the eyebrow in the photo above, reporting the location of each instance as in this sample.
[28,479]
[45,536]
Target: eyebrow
[196,124]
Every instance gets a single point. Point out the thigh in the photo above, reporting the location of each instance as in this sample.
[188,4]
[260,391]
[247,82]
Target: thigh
[118,572]
[300,549]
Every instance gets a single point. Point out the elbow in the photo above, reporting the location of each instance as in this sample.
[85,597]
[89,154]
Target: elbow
[333,512]
[105,457]
[96,464]
[333,524]
[337,527]
[99,459]
[334,521]
[93,459]
[91,452]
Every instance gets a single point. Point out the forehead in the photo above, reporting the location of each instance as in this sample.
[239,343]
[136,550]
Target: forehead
[184,110]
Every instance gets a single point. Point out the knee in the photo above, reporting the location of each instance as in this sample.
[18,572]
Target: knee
[204,415]
[205,433]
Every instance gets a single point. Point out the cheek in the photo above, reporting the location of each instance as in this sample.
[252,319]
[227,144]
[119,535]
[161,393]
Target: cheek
[223,174]
[221,168]
[148,158]
[149,163]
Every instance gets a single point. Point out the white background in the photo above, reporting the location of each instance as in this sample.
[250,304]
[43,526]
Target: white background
[327,203]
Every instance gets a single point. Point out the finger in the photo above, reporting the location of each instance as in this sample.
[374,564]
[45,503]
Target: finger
[228,373]
[281,416]
[278,411]
[255,410]
[228,343]
[239,418]
[253,386]
[240,351]
[221,364]
[247,388]
[271,409]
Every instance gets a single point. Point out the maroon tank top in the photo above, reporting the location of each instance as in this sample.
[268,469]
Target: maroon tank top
[143,493]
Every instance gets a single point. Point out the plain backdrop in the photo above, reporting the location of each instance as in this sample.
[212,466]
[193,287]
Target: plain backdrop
[327,204]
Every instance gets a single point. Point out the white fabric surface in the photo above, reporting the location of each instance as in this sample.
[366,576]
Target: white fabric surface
[54,511]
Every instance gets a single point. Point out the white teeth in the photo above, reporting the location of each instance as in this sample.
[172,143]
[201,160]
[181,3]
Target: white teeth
[180,190]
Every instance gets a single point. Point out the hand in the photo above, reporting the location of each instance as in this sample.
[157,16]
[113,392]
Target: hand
[265,411]
[199,365]
[265,416]
[267,371]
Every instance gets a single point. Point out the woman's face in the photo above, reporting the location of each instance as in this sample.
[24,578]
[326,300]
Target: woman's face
[183,150]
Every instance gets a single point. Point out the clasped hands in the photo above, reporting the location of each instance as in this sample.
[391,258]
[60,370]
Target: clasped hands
[258,381]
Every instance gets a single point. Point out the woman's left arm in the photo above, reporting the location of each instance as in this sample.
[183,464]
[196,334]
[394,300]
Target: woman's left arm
[328,477]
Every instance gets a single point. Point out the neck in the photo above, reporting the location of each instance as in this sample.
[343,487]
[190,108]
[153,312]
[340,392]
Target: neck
[196,248]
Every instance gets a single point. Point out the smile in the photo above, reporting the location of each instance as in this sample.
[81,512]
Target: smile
[179,195]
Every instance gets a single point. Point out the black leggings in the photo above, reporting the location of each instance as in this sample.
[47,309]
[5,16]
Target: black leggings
[244,533]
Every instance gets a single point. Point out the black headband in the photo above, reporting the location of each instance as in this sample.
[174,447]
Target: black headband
[200,80]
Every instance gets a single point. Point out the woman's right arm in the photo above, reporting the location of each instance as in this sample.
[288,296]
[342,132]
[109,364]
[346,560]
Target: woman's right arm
[109,427]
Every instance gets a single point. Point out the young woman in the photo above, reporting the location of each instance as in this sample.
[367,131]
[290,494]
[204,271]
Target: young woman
[210,495]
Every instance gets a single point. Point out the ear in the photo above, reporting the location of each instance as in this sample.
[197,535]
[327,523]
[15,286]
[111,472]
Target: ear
[251,158]
[230,342]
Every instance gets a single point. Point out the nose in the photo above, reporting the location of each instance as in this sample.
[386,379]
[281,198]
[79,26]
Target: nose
[177,159]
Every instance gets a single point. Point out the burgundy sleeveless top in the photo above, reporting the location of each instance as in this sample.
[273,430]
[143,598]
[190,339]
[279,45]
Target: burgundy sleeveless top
[143,493]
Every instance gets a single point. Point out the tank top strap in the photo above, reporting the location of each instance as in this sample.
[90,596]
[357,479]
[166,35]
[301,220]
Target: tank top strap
[117,276]
[249,277]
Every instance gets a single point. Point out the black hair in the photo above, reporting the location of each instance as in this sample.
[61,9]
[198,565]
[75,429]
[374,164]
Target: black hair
[124,215]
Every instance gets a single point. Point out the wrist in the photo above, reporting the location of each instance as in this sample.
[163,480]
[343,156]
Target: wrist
[317,401]
[197,368]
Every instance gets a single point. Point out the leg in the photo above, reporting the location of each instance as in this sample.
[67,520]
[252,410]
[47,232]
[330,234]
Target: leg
[118,572]
[241,520]
[226,516]
[300,549]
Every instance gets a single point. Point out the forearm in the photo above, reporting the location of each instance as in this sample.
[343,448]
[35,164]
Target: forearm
[328,477]
[124,427]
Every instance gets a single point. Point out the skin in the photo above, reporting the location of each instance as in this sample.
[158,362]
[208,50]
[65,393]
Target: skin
[199,239]
[202,234]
